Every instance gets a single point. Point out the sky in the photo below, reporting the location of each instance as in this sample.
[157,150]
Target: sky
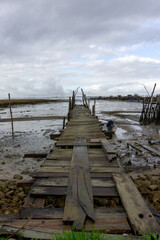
[49,48]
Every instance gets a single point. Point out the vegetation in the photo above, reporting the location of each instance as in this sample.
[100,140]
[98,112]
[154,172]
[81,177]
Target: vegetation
[5,103]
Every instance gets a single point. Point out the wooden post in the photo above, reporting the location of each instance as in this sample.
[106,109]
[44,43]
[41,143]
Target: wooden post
[89,104]
[69,108]
[63,122]
[11,114]
[94,107]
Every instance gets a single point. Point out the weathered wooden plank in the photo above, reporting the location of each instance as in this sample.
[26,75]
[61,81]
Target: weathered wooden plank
[8,217]
[39,213]
[138,213]
[38,191]
[67,153]
[112,224]
[152,150]
[57,213]
[32,202]
[92,169]
[66,174]
[63,182]
[107,147]
[79,200]
[100,162]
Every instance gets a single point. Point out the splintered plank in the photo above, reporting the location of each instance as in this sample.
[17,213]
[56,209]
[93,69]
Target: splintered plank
[138,213]
[79,199]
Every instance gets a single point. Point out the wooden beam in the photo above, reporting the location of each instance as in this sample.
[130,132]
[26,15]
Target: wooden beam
[79,200]
[139,215]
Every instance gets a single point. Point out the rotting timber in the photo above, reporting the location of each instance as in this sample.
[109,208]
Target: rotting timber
[83,168]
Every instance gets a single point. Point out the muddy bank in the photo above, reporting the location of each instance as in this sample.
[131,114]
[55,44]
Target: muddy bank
[148,183]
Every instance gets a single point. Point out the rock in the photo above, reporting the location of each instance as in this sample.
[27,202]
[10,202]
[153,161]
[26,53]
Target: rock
[1,195]
[21,195]
[2,162]
[15,211]
[153,187]
[9,193]
[156,197]
[7,212]
[17,176]
[15,200]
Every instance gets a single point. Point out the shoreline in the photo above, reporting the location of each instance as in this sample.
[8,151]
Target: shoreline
[5,103]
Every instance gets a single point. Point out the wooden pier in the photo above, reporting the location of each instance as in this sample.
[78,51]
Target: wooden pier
[84,171]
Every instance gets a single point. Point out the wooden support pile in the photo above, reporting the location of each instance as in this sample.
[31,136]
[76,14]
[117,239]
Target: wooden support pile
[151,110]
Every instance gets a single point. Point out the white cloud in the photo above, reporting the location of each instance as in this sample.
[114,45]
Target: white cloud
[65,44]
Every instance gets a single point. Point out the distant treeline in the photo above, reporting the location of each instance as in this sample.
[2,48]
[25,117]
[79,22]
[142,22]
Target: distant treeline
[123,98]
[5,103]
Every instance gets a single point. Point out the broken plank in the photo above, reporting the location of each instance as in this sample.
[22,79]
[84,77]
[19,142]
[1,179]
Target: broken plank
[150,149]
[138,213]
[107,147]
[79,199]
[57,213]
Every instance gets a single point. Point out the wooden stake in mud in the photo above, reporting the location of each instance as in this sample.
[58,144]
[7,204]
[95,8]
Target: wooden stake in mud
[63,122]
[94,108]
[11,114]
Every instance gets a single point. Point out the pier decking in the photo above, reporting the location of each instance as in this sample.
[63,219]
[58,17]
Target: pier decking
[84,171]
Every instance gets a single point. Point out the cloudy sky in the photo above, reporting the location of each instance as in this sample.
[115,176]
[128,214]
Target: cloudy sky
[51,47]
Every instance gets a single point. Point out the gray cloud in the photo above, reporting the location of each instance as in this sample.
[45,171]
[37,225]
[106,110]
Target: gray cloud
[64,44]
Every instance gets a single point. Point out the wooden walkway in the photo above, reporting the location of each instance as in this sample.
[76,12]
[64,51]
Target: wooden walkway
[84,171]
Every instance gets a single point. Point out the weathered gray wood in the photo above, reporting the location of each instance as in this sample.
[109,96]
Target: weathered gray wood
[138,213]
[107,147]
[41,191]
[79,200]
[63,182]
[57,213]
[92,169]
[150,149]
[38,213]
